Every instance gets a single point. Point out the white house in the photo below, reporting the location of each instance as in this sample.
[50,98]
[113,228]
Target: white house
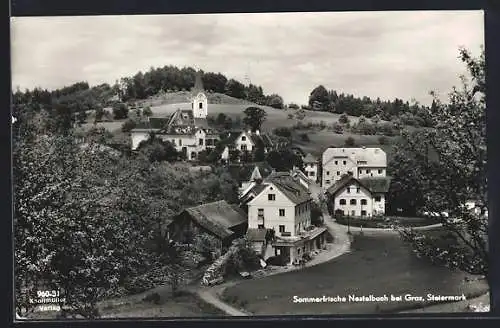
[282,205]
[311,167]
[364,197]
[358,162]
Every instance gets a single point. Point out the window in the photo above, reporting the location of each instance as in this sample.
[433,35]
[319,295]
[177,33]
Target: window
[200,105]
[260,213]
[260,226]
[353,202]
[363,213]
[243,147]
[180,142]
[360,171]
[353,213]
[367,171]
[357,190]
[342,202]
[282,228]
[377,198]
[379,171]
[282,212]
[327,172]
[364,202]
[243,138]
[327,181]
[298,251]
[311,173]
[201,142]
[336,162]
[348,190]
[344,162]
[271,197]
[338,172]
[350,173]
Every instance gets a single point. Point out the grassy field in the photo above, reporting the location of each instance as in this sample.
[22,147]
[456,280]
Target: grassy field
[321,140]
[377,265]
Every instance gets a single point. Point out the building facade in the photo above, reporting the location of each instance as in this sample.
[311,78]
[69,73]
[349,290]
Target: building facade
[364,197]
[311,167]
[357,162]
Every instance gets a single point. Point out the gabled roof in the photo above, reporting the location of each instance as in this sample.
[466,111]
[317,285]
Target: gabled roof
[374,157]
[252,192]
[243,172]
[290,187]
[230,137]
[310,159]
[376,184]
[261,139]
[217,217]
[299,174]
[372,184]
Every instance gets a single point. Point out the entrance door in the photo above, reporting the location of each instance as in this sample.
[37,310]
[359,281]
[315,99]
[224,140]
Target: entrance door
[318,242]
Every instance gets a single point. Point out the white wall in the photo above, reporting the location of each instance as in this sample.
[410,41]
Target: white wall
[367,172]
[244,139]
[272,220]
[137,138]
[354,195]
[311,167]
[333,172]
[200,99]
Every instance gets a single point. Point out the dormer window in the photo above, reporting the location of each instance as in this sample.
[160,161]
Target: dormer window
[243,138]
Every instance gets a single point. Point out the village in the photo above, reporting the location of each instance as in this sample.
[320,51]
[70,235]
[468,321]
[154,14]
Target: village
[181,192]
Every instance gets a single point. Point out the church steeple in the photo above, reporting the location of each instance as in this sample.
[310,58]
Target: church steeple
[198,82]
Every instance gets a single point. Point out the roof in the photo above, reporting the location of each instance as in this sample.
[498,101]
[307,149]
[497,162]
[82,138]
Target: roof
[261,139]
[298,173]
[376,184]
[290,187]
[374,157]
[310,159]
[217,217]
[201,123]
[254,191]
[230,137]
[297,150]
[373,184]
[243,172]
[256,234]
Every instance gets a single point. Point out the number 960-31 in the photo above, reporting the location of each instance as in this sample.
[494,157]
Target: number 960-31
[47,293]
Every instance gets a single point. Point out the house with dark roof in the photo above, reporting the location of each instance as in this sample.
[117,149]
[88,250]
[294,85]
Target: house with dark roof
[358,197]
[246,174]
[220,219]
[248,141]
[280,203]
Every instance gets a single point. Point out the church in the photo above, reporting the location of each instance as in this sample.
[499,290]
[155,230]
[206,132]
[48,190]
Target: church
[186,128]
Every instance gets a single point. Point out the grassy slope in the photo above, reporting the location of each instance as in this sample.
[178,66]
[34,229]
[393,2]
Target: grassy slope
[378,265]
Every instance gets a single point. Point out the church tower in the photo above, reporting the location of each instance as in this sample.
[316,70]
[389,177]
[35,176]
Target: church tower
[199,102]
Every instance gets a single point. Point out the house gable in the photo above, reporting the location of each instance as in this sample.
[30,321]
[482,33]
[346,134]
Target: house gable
[262,197]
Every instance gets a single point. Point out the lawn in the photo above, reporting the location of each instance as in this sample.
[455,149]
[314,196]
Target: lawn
[321,140]
[377,265]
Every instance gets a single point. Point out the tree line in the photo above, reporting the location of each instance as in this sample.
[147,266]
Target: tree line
[413,114]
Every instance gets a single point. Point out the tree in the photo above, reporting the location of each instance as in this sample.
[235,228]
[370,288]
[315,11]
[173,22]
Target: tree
[156,150]
[99,113]
[254,117]
[457,174]
[284,160]
[316,214]
[120,111]
[147,112]
[221,119]
[128,125]
[206,245]
[350,142]
[275,101]
[320,96]
[283,132]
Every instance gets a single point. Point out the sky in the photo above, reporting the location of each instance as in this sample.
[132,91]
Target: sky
[375,54]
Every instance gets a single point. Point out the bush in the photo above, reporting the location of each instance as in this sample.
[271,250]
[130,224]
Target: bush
[382,140]
[283,132]
[338,128]
[128,125]
[344,119]
[293,106]
[120,111]
[276,261]
[290,116]
[350,142]
[304,137]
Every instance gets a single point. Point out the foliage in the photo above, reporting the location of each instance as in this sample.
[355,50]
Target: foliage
[293,106]
[120,111]
[128,125]
[155,149]
[147,112]
[206,245]
[283,132]
[284,160]
[382,140]
[316,214]
[344,119]
[304,137]
[254,117]
[350,142]
[456,174]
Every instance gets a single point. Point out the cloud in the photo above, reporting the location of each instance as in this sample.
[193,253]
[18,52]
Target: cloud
[385,54]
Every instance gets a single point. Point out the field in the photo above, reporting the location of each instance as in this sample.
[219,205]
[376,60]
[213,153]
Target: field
[377,265]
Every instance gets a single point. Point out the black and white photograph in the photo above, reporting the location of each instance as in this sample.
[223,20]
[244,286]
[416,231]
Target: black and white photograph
[246,165]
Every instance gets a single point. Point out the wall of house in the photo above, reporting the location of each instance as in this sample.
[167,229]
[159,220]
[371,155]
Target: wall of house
[354,194]
[137,138]
[378,206]
[272,219]
[371,171]
[302,217]
[244,140]
[333,172]
[311,170]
